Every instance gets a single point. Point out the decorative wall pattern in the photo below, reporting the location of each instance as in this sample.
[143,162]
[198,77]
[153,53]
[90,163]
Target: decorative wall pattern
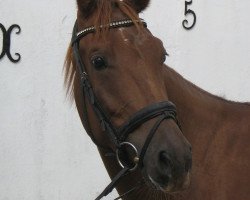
[7,42]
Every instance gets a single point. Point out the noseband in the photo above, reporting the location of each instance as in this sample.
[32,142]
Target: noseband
[162,110]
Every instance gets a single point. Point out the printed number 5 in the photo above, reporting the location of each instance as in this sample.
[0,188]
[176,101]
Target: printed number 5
[188,12]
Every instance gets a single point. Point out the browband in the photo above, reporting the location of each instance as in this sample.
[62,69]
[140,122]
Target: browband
[115,24]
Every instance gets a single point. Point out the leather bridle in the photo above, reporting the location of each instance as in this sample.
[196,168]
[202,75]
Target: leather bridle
[162,110]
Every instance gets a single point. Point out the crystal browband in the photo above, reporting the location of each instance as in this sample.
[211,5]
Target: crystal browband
[115,24]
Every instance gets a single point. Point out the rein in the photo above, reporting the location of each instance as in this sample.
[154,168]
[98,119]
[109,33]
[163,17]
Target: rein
[164,110]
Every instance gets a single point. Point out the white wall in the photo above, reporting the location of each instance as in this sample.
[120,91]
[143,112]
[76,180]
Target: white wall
[44,152]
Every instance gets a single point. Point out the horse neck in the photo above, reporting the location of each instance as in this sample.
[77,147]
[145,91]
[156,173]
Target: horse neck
[202,115]
[196,108]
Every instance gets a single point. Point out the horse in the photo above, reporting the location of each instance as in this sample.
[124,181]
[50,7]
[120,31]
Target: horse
[172,140]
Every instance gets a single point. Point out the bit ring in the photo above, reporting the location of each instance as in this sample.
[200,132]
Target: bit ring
[135,160]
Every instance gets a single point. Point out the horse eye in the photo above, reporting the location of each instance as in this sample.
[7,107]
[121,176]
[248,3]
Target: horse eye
[99,63]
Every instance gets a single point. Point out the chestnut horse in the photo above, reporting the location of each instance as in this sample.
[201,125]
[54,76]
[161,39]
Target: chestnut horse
[124,66]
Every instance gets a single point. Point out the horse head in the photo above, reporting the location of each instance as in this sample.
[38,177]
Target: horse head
[124,65]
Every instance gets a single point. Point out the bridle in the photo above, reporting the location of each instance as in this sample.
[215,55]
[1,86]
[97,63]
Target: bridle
[162,110]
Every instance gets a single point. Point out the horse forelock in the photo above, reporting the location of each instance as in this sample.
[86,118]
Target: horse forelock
[102,15]
[100,12]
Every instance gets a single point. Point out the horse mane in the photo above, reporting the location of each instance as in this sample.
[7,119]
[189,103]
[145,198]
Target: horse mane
[102,15]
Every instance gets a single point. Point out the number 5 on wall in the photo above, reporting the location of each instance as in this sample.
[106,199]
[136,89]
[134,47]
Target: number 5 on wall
[189,12]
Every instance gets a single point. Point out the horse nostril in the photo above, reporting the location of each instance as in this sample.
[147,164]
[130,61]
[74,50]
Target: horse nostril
[165,161]
[188,164]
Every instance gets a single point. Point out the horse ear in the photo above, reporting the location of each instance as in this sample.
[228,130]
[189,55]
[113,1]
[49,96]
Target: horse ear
[87,6]
[140,5]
